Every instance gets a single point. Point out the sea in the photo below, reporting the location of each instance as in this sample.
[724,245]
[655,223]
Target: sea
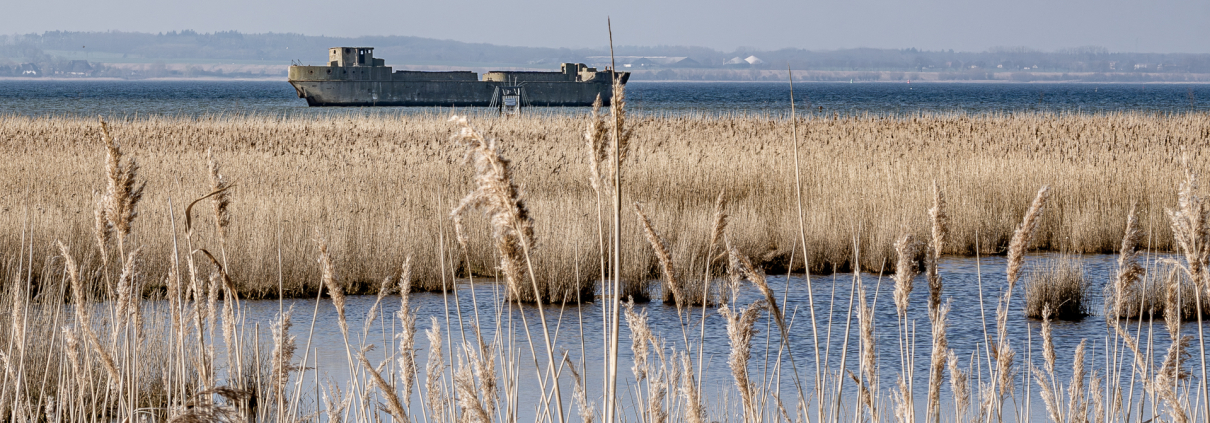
[125,99]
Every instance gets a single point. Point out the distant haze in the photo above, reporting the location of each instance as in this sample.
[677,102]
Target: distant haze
[1160,26]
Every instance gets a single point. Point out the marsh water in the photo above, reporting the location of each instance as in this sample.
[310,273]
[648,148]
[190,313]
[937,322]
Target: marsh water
[117,99]
[972,287]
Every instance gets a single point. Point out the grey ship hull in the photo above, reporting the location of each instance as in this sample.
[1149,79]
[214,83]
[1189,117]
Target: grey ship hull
[353,77]
[447,93]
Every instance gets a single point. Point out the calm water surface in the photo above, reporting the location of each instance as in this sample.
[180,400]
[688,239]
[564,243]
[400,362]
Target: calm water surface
[197,98]
[833,295]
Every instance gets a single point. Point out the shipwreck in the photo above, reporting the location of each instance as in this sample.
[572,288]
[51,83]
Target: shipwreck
[354,77]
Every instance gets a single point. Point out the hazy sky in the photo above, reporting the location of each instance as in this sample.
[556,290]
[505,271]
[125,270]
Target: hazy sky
[1162,26]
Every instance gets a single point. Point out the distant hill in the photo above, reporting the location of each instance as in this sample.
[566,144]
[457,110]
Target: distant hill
[189,53]
[280,48]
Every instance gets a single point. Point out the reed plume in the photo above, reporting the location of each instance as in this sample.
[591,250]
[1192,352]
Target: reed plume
[937,312]
[394,406]
[907,249]
[384,289]
[1048,382]
[407,333]
[468,398]
[640,336]
[1002,351]
[1171,371]
[740,331]
[220,201]
[433,370]
[937,366]
[1129,270]
[959,386]
[757,277]
[335,289]
[940,229]
[868,383]
[694,412]
[123,191]
[500,199]
[657,390]
[1098,398]
[1049,396]
[1024,235]
[597,146]
[1172,310]
[1077,405]
[1189,228]
[904,412]
[282,355]
[1004,355]
[334,405]
[484,367]
[1192,233]
[622,132]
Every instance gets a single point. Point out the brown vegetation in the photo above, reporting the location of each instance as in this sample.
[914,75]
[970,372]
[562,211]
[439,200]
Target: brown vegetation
[113,357]
[1060,288]
[378,186]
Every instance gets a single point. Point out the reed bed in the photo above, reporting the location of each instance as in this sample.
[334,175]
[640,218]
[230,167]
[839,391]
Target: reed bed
[165,227]
[376,186]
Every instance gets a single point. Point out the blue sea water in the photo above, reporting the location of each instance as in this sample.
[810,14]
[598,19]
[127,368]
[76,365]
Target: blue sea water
[202,98]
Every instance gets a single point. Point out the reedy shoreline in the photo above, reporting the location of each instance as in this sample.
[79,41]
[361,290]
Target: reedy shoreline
[376,186]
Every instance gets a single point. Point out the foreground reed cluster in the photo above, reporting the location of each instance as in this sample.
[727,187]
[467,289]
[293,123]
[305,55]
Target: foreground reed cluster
[137,311]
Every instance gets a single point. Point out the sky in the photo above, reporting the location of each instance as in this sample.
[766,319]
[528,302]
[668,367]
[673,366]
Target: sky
[1155,26]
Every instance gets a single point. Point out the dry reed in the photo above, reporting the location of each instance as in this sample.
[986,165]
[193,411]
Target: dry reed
[740,331]
[117,368]
[1061,286]
[373,183]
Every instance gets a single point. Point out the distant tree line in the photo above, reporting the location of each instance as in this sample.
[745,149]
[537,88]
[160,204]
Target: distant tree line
[42,49]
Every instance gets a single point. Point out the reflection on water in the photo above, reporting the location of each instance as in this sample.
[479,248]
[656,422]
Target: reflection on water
[117,99]
[578,329]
